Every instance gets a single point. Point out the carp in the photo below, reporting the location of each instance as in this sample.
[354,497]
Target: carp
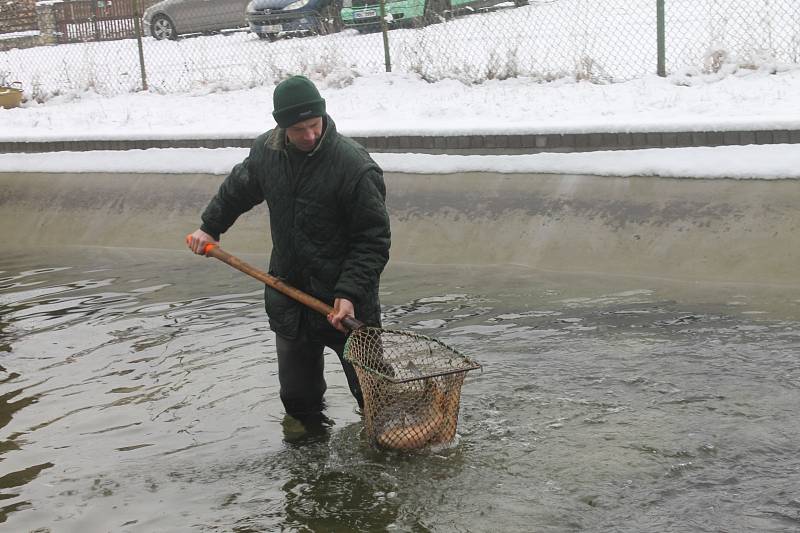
[430,428]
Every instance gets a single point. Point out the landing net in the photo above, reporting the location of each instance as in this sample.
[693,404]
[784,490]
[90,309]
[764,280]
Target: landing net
[411,385]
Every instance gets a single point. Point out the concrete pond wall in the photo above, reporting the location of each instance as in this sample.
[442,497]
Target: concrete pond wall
[687,229]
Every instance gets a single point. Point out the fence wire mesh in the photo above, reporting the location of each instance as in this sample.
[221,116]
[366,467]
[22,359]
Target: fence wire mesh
[187,48]
[714,35]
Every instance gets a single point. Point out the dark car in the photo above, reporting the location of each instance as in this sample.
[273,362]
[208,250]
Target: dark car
[271,19]
[170,18]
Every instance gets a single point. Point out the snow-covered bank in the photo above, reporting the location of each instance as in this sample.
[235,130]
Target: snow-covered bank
[780,161]
[401,104]
[405,104]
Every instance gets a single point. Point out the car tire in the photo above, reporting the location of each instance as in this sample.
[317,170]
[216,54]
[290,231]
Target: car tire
[162,28]
[329,22]
[437,11]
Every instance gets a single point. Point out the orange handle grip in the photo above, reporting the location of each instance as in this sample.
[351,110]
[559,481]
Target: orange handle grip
[207,248]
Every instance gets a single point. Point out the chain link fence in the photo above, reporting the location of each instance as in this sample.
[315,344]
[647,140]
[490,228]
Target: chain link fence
[184,48]
[717,35]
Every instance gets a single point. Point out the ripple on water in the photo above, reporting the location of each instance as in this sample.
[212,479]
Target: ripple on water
[133,401]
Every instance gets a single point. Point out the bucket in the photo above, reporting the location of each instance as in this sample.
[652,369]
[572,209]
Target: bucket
[11,96]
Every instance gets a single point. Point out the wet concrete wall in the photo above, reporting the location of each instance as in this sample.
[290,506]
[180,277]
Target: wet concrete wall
[708,230]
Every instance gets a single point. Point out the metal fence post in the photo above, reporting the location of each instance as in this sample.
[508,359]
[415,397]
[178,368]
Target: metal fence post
[385,31]
[137,26]
[661,38]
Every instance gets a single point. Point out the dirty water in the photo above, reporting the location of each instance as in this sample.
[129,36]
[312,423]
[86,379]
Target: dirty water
[139,393]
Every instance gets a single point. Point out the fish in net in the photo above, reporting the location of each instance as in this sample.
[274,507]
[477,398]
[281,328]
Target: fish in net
[411,385]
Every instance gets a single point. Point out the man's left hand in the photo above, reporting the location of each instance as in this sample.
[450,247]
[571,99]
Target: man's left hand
[342,307]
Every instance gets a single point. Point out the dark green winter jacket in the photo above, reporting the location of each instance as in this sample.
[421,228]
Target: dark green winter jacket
[330,228]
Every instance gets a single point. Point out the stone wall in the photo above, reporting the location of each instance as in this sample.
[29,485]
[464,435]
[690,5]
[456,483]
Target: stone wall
[27,31]
[17,16]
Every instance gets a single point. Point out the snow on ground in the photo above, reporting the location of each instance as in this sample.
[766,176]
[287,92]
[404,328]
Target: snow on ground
[738,162]
[402,104]
[226,103]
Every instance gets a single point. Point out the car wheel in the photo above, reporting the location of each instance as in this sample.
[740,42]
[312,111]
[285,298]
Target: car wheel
[326,27]
[436,11]
[271,37]
[163,28]
[328,22]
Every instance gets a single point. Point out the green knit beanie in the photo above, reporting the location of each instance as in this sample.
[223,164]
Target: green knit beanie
[296,99]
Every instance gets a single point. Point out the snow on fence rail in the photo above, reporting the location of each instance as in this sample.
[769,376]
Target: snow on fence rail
[598,40]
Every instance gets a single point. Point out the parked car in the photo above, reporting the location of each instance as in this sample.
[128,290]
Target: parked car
[365,15]
[169,18]
[271,19]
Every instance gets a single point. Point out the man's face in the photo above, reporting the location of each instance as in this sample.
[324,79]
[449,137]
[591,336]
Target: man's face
[305,134]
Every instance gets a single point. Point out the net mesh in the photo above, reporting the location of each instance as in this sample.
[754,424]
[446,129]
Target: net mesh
[411,385]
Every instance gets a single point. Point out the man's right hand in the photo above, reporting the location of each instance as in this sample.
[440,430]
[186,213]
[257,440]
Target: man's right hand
[198,240]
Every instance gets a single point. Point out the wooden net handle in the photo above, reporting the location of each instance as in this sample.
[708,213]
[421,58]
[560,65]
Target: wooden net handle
[213,250]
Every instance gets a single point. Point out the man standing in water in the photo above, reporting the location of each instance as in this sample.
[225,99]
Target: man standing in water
[330,236]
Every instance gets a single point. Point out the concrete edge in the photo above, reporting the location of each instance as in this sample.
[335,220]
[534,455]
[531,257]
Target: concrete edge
[459,144]
[743,232]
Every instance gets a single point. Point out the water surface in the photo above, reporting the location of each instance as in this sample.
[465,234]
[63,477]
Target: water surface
[139,393]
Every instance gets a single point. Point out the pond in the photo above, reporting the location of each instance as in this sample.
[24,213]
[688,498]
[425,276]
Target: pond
[139,393]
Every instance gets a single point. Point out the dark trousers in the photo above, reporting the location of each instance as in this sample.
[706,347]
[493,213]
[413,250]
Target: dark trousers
[301,368]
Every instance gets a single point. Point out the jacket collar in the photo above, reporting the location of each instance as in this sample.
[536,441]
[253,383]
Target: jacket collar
[277,141]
